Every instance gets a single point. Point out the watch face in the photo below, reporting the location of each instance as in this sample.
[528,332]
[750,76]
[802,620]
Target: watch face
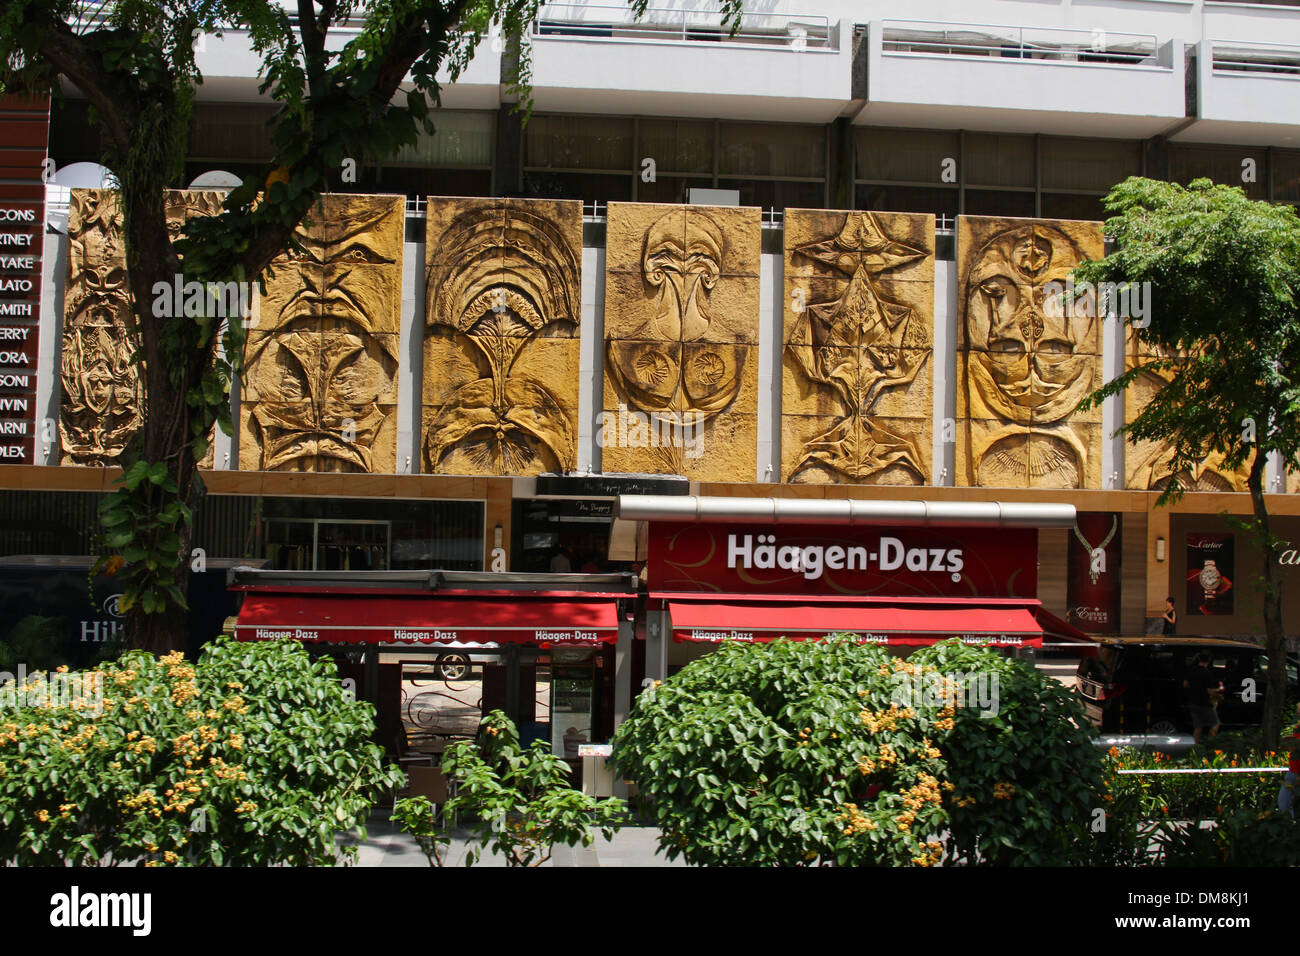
[1209,577]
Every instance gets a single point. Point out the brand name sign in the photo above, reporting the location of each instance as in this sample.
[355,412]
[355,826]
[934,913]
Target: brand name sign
[811,559]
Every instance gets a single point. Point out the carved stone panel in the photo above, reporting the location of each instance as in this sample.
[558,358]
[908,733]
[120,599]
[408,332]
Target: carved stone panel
[103,390]
[1148,464]
[320,384]
[1025,356]
[857,380]
[681,341]
[501,363]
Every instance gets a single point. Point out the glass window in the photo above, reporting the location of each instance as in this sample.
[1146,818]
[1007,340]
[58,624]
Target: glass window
[776,194]
[1286,175]
[1223,164]
[677,146]
[759,149]
[940,202]
[671,188]
[1067,206]
[1096,164]
[435,182]
[903,155]
[231,132]
[998,159]
[459,139]
[578,142]
[589,187]
[990,202]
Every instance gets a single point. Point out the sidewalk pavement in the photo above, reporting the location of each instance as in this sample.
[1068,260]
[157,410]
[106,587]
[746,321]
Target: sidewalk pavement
[386,845]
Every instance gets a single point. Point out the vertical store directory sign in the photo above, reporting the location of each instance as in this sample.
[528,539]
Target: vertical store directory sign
[24,136]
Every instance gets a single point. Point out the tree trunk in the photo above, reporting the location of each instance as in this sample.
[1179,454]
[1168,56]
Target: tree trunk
[165,435]
[1274,635]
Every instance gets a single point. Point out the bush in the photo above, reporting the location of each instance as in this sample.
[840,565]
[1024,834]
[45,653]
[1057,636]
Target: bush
[518,801]
[1029,772]
[253,756]
[796,753]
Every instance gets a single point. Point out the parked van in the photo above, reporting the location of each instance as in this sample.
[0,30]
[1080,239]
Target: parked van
[1135,684]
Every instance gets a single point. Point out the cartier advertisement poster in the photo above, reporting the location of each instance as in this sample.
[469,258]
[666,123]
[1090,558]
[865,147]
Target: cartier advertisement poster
[1209,574]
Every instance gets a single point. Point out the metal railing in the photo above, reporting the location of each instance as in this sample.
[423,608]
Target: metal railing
[1240,57]
[662,25]
[1040,44]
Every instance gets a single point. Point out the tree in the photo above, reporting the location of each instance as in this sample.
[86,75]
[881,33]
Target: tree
[1222,318]
[253,755]
[134,62]
[835,753]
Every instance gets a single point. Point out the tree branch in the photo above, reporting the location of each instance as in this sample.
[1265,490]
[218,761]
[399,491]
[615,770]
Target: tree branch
[108,93]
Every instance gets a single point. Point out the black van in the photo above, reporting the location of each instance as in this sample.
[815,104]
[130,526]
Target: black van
[1135,684]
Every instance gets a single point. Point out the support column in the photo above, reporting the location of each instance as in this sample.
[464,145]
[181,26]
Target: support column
[497,509]
[1158,571]
[656,645]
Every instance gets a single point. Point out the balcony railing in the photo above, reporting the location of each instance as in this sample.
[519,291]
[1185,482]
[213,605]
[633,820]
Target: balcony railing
[618,24]
[1237,57]
[1040,44]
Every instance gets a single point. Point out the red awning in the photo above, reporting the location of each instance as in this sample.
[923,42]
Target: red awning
[418,619]
[913,621]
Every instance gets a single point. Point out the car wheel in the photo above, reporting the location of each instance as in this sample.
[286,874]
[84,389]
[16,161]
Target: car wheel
[1164,727]
[453,666]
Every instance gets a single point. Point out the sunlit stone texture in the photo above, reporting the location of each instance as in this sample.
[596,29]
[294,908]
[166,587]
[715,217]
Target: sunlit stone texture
[857,371]
[103,390]
[1025,357]
[1148,465]
[501,341]
[321,359]
[681,341]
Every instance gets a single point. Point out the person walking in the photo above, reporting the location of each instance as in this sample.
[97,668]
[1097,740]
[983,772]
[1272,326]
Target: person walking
[1286,795]
[1171,617]
[1204,691]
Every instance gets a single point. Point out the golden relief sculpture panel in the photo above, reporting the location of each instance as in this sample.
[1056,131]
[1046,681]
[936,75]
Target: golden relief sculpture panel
[681,341]
[1025,356]
[857,383]
[103,401]
[320,383]
[501,362]
[1148,464]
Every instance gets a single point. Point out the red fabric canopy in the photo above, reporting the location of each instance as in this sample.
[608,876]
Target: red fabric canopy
[915,621]
[415,619]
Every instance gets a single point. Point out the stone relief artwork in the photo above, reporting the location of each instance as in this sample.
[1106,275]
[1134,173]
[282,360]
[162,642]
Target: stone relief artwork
[501,362]
[857,383]
[103,390]
[320,383]
[681,341]
[1148,464]
[1025,358]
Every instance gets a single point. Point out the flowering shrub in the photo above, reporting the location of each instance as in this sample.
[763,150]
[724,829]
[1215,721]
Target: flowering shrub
[253,755]
[796,753]
[518,802]
[1026,774]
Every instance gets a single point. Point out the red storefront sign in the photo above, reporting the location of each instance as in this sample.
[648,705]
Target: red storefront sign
[24,135]
[843,560]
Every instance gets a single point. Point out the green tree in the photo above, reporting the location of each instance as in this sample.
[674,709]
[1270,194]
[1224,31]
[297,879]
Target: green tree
[834,753]
[1224,273]
[134,61]
[252,756]
[517,801]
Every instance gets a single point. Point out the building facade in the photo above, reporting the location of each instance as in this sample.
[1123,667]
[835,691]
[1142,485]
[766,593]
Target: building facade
[811,261]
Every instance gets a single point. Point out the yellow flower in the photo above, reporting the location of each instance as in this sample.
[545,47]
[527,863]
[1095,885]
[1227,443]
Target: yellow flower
[43,816]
